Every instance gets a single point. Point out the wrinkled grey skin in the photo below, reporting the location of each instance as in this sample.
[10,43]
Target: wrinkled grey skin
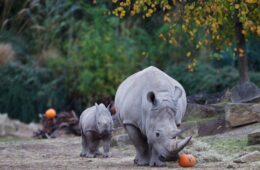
[151,105]
[96,125]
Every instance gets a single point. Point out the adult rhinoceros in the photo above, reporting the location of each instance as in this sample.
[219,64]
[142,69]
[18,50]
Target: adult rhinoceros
[151,105]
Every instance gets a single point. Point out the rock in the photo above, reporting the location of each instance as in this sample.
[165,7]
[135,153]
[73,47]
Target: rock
[190,129]
[254,99]
[121,140]
[212,127]
[9,127]
[237,114]
[204,98]
[6,127]
[232,166]
[247,158]
[204,127]
[199,111]
[254,137]
[244,92]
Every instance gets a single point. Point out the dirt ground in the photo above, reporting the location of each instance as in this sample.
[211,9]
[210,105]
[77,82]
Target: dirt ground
[63,153]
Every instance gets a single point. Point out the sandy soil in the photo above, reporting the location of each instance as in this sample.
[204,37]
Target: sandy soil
[63,153]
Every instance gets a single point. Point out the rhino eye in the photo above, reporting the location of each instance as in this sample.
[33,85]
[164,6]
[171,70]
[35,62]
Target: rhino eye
[157,134]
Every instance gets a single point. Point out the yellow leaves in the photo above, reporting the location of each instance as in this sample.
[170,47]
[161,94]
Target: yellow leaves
[199,44]
[149,12]
[197,22]
[166,18]
[145,54]
[251,1]
[237,6]
[114,1]
[119,12]
[132,13]
[188,54]
[166,7]
[258,30]
[231,1]
[184,28]
[162,37]
[172,41]
[191,67]
[241,52]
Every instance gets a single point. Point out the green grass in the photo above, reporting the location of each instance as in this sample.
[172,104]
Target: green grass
[229,146]
[14,140]
[199,119]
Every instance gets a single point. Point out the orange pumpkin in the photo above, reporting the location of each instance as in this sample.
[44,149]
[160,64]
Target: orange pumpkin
[50,113]
[187,160]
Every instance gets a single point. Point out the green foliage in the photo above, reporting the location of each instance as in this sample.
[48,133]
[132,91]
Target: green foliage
[26,91]
[207,78]
[98,60]
[204,79]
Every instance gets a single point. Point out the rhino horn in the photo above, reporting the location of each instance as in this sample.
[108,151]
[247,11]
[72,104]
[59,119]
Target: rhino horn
[176,147]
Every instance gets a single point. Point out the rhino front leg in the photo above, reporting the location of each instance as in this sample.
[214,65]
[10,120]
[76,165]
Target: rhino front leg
[92,146]
[142,157]
[155,161]
[106,146]
[84,145]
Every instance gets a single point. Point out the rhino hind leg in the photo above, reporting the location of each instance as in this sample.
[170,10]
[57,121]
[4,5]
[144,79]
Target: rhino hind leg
[142,157]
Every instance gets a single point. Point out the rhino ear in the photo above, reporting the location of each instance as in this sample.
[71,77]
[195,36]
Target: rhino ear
[151,97]
[96,105]
[177,93]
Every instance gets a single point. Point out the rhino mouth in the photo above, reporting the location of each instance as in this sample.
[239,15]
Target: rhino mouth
[172,158]
[172,154]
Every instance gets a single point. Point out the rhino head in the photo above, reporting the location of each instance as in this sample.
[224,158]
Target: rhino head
[162,130]
[103,119]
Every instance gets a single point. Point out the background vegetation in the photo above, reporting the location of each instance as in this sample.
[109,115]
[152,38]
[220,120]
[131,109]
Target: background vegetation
[67,54]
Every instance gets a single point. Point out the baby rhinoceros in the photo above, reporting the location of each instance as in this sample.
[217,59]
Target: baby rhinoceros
[95,125]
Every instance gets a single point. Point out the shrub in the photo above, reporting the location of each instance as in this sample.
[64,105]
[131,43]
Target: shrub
[26,91]
[205,78]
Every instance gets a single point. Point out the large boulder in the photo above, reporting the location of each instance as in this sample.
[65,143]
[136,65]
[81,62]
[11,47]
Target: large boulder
[9,127]
[199,111]
[254,137]
[205,98]
[244,92]
[249,157]
[237,114]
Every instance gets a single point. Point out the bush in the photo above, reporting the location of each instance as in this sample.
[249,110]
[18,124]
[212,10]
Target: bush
[205,78]
[27,91]
[208,79]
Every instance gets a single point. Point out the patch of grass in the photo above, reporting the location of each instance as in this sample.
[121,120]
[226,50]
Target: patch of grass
[228,146]
[199,119]
[13,139]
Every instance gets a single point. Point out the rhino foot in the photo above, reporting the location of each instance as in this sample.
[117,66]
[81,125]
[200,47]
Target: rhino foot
[90,155]
[141,160]
[82,154]
[157,163]
[107,155]
[98,152]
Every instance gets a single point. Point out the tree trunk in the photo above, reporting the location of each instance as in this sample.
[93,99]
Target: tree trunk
[241,51]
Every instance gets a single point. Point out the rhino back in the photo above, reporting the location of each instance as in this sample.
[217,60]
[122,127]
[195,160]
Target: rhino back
[131,101]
